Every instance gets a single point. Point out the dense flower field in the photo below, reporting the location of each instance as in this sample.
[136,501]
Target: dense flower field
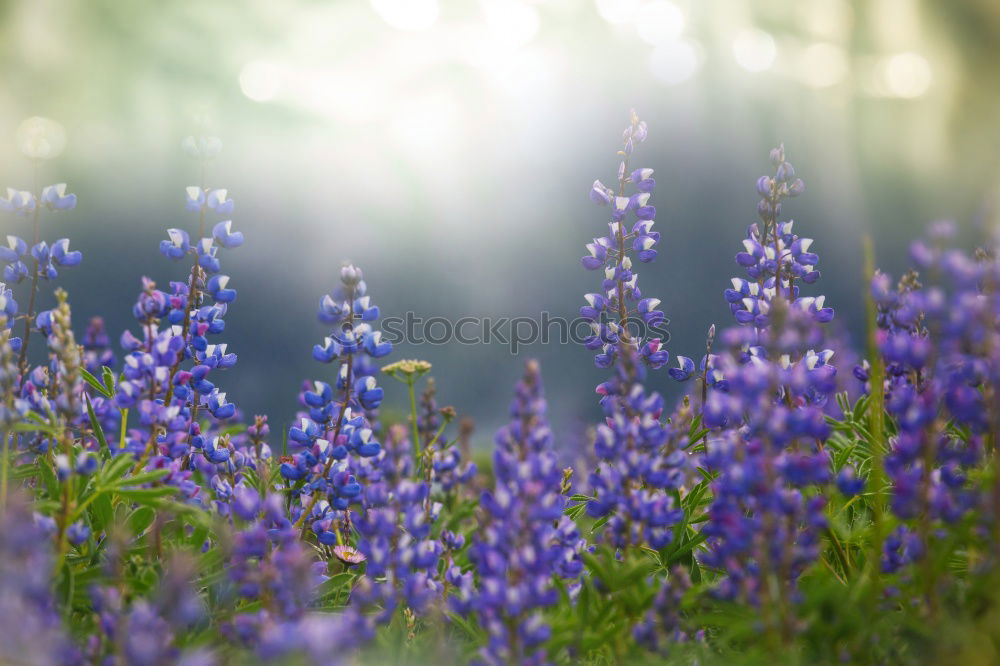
[796,506]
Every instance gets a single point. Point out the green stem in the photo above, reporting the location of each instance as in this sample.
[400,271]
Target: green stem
[410,382]
[124,427]
[876,417]
[4,473]
[66,510]
[22,361]
[437,435]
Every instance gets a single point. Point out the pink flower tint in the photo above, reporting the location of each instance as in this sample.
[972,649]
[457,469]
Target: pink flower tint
[348,555]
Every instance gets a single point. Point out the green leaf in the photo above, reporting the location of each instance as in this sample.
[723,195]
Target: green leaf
[860,408]
[34,427]
[140,520]
[95,383]
[574,511]
[48,477]
[330,590]
[138,479]
[473,631]
[144,495]
[98,430]
[686,548]
[198,536]
[102,513]
[234,429]
[109,379]
[600,523]
[116,470]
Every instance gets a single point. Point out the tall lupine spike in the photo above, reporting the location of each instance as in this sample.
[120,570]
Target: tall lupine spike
[765,447]
[46,260]
[337,426]
[31,628]
[397,520]
[401,494]
[528,543]
[774,257]
[169,365]
[639,465]
[621,296]
[66,362]
[940,344]
[766,420]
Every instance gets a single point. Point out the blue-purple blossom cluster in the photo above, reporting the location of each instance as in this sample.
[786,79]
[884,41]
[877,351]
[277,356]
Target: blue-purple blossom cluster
[620,297]
[40,261]
[940,345]
[366,529]
[167,400]
[638,465]
[765,450]
[26,598]
[774,256]
[335,429]
[527,543]
[763,404]
[408,552]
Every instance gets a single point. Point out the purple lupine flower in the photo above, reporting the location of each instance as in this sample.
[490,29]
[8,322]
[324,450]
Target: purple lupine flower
[55,198]
[398,517]
[528,542]
[48,259]
[334,437]
[31,630]
[145,631]
[765,409]
[663,625]
[15,269]
[613,253]
[766,450]
[97,351]
[8,310]
[170,368]
[19,202]
[939,343]
[632,444]
[773,256]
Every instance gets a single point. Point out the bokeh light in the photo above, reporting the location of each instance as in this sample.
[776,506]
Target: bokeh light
[754,50]
[658,22]
[906,75]
[617,11]
[674,62]
[407,14]
[822,65]
[512,22]
[260,81]
[40,138]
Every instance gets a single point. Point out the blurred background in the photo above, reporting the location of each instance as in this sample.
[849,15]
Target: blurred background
[448,147]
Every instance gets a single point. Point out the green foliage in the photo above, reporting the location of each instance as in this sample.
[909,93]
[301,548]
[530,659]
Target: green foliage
[846,611]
